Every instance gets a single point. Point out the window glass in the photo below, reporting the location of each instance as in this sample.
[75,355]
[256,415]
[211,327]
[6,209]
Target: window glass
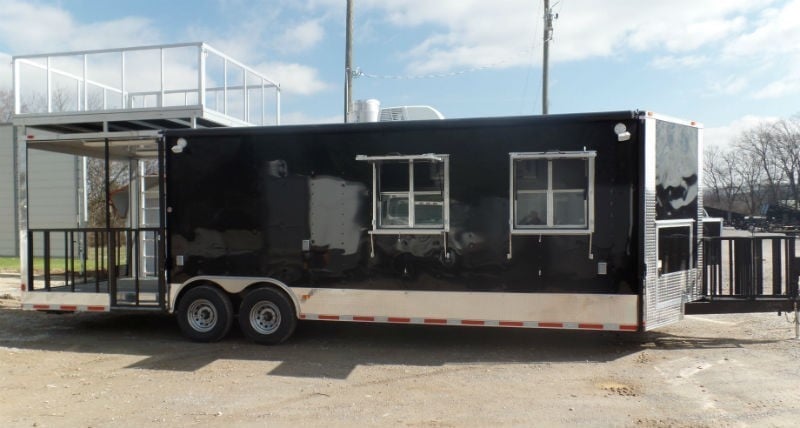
[428,176]
[569,173]
[428,209]
[394,209]
[553,191]
[531,174]
[569,208]
[393,176]
[532,208]
[406,183]
[674,248]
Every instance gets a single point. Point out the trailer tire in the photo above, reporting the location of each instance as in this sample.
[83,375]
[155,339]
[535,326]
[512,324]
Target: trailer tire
[205,314]
[267,316]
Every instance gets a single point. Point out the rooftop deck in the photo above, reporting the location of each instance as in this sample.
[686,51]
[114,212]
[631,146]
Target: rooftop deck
[139,91]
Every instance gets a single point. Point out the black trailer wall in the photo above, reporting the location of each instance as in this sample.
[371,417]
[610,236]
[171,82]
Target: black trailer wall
[241,202]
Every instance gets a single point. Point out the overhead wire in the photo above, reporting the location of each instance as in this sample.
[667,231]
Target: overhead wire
[359,72]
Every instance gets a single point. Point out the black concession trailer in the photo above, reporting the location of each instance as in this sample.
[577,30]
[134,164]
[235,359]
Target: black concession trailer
[579,221]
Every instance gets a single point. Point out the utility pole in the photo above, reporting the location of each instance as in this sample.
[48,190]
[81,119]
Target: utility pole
[547,36]
[348,63]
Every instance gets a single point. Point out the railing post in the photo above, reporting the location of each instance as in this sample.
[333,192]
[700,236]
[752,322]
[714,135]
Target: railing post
[201,88]
[66,260]
[135,235]
[47,260]
[732,273]
[49,88]
[97,267]
[72,258]
[112,266]
[776,266]
[85,84]
[30,260]
[161,93]
[757,287]
[791,286]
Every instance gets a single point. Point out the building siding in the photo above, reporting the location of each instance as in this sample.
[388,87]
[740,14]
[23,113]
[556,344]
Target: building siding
[8,205]
[52,193]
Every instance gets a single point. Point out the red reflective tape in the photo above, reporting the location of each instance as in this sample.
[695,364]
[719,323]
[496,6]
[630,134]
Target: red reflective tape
[472,322]
[328,317]
[591,326]
[96,308]
[398,319]
[40,307]
[302,316]
[629,327]
[362,318]
[551,324]
[512,324]
[69,308]
[434,321]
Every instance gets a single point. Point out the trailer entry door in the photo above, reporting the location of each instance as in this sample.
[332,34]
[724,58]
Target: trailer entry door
[672,204]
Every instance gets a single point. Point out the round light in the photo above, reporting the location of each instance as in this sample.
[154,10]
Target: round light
[179,145]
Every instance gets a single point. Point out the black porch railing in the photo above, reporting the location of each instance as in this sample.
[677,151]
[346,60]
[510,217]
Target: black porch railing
[99,261]
[748,274]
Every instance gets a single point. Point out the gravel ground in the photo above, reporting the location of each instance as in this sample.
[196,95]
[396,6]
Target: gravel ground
[137,370]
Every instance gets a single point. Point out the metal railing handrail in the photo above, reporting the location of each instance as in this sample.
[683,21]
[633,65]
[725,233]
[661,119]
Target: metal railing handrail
[117,251]
[202,80]
[743,276]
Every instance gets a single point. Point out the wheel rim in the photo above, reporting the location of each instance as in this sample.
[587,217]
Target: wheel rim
[202,315]
[265,317]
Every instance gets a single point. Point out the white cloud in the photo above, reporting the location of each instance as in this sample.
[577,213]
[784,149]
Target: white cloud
[301,37]
[37,28]
[779,88]
[732,85]
[726,135]
[476,33]
[681,62]
[775,33]
[294,78]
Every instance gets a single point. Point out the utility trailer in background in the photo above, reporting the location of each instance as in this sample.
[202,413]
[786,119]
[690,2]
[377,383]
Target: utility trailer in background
[579,221]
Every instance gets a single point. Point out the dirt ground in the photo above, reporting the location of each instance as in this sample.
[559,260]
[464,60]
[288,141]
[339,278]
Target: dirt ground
[96,370]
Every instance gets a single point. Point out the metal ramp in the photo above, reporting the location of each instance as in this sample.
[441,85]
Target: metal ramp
[111,106]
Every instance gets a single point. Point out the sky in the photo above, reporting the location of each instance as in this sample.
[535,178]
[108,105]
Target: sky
[728,64]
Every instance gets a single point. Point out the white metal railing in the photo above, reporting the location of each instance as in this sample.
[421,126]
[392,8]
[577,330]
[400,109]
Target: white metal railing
[145,77]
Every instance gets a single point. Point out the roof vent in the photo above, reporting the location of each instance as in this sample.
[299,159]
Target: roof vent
[391,114]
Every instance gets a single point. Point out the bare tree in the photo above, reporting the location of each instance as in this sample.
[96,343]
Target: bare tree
[711,179]
[786,135]
[759,142]
[96,177]
[749,171]
[722,176]
[6,105]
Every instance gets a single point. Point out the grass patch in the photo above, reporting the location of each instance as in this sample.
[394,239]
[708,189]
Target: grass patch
[57,264]
[9,264]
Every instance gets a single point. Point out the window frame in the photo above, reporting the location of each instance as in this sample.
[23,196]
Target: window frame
[676,224]
[550,228]
[411,228]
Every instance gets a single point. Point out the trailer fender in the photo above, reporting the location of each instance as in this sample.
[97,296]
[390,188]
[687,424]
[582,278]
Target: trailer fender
[231,285]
